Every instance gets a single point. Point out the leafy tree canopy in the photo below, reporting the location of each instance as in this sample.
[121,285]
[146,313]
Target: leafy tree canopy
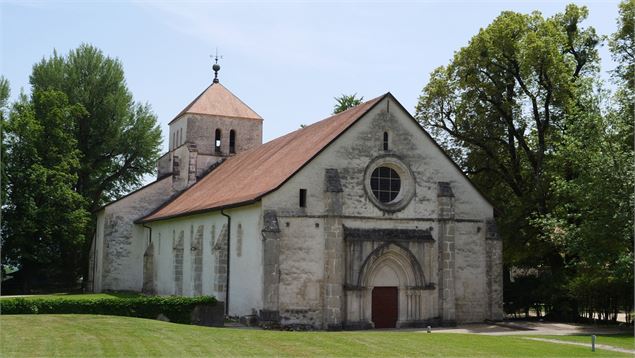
[118,139]
[522,111]
[345,102]
[78,141]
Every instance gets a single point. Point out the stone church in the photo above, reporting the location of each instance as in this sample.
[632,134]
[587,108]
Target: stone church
[359,220]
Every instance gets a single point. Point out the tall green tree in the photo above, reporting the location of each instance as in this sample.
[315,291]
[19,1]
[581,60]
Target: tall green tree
[44,218]
[345,102]
[110,141]
[592,215]
[622,46]
[499,108]
[119,140]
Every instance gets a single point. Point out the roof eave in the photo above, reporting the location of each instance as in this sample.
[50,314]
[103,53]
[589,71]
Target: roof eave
[200,211]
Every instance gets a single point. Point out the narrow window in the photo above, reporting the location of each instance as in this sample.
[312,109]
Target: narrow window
[385,140]
[173,140]
[303,198]
[217,141]
[232,141]
[181,138]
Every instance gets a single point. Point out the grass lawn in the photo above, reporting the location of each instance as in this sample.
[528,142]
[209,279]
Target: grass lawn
[90,336]
[625,340]
[80,296]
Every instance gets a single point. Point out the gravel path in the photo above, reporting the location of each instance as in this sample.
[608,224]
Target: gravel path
[527,328]
[597,346]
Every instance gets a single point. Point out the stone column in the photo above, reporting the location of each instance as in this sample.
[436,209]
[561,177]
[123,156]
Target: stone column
[271,268]
[494,254]
[333,300]
[445,198]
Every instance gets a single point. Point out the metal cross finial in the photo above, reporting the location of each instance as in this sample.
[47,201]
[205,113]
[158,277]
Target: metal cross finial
[216,66]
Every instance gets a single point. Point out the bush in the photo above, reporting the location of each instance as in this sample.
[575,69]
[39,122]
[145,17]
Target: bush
[175,308]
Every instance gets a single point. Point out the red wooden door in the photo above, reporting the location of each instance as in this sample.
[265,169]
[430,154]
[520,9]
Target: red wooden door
[385,307]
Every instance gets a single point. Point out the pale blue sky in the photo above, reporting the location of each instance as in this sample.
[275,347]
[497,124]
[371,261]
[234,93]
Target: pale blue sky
[285,59]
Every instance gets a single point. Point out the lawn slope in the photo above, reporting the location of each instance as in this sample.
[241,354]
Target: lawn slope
[91,336]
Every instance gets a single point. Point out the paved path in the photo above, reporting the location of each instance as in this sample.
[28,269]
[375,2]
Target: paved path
[598,346]
[527,328]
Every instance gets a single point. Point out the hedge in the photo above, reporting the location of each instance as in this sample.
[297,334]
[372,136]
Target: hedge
[175,308]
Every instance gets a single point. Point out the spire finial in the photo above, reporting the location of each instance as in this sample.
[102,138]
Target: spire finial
[216,66]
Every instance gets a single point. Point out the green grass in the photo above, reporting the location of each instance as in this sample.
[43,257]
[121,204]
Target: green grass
[624,340]
[80,296]
[90,336]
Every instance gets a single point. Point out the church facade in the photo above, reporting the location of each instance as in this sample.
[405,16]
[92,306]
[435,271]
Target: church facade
[356,221]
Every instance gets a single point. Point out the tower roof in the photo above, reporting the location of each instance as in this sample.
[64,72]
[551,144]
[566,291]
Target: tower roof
[219,101]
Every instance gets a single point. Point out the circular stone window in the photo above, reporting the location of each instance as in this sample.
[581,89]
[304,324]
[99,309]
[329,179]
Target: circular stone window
[389,183]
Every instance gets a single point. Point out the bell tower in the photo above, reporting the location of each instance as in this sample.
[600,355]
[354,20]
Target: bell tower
[214,126]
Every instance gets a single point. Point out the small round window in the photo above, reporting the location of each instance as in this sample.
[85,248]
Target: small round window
[389,183]
[385,184]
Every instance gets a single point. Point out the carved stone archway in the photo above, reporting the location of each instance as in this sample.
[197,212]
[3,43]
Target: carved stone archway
[392,265]
[397,257]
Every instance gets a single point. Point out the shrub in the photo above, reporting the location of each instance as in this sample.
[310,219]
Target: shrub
[175,308]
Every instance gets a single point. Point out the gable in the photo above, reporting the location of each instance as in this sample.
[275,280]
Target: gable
[360,147]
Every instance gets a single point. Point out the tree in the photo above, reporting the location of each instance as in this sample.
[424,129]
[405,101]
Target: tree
[592,215]
[591,219]
[499,108]
[345,102]
[622,46]
[109,143]
[44,218]
[119,140]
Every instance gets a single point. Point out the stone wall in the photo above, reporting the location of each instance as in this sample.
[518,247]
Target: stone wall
[120,245]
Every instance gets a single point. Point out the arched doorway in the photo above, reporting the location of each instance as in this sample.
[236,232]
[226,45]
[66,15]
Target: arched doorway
[388,274]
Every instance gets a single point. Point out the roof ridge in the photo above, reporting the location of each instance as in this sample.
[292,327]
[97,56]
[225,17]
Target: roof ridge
[325,119]
[190,104]
[240,100]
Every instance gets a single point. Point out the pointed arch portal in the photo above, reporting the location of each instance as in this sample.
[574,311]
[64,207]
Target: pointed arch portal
[387,276]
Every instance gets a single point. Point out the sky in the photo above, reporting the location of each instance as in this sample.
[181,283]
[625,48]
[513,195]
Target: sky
[286,59]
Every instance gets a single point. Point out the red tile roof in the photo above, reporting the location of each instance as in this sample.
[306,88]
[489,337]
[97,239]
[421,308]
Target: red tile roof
[218,100]
[248,176]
